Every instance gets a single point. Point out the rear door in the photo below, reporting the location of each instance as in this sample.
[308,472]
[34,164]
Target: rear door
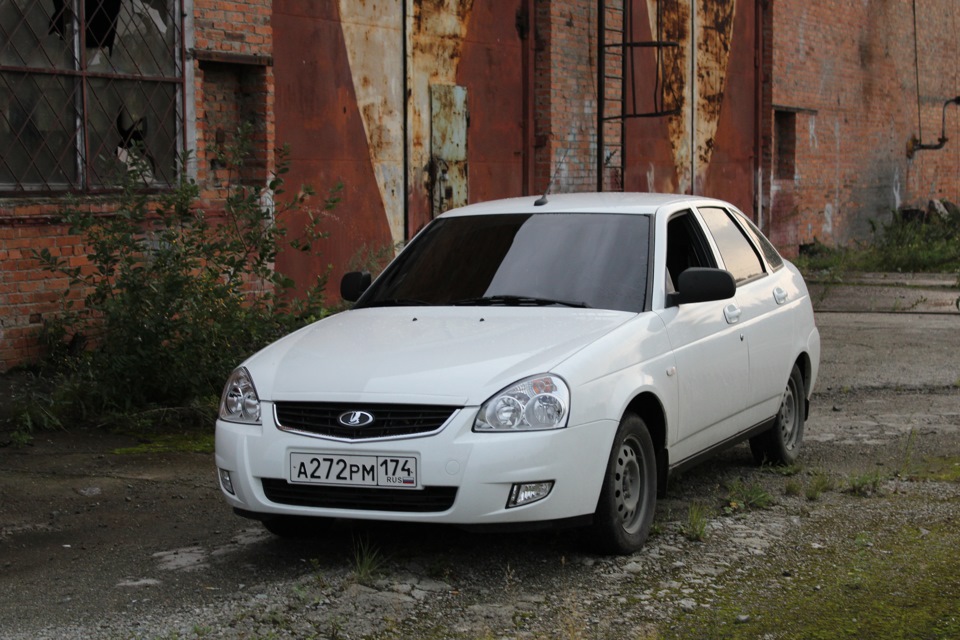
[765,297]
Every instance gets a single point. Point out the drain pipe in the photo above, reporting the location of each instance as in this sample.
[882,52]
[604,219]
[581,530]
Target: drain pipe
[915,145]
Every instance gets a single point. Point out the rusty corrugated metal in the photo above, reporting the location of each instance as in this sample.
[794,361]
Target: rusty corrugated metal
[711,78]
[353,98]
[448,147]
[317,112]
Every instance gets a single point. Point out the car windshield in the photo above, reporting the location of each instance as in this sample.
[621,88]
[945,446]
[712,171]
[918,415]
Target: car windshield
[572,259]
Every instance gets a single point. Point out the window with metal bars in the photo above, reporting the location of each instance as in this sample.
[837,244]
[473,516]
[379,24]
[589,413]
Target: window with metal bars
[89,88]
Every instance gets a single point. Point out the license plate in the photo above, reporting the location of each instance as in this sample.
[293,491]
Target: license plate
[399,472]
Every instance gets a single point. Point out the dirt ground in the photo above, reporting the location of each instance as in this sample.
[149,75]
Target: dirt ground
[95,543]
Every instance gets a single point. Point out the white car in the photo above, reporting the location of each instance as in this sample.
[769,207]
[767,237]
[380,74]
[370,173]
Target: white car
[529,362]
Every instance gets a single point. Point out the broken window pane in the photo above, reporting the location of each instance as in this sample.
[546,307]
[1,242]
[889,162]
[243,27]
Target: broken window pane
[39,130]
[131,121]
[59,138]
[35,34]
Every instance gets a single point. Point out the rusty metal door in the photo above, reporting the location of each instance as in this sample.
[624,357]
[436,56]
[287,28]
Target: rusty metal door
[357,83]
[710,77]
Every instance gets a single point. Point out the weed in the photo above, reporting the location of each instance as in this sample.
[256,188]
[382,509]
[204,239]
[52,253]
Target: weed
[865,484]
[784,470]
[367,560]
[820,482]
[906,458]
[743,496]
[695,528]
[793,487]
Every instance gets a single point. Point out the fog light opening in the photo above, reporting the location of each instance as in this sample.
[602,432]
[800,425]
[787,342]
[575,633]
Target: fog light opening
[226,482]
[527,492]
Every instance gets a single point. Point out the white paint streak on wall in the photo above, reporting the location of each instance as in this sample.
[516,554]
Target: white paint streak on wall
[372,32]
[833,208]
[897,198]
[812,128]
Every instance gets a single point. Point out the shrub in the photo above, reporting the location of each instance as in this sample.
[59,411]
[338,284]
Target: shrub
[173,298]
[912,241]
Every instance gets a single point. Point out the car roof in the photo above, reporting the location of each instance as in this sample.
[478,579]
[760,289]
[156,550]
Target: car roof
[605,202]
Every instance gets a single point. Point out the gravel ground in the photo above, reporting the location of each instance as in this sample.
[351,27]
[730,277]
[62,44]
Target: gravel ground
[99,545]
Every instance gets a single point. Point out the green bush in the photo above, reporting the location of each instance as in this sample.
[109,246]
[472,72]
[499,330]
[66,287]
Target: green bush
[173,299]
[910,242]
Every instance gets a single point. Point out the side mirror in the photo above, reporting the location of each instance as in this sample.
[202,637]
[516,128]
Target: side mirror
[701,284]
[353,284]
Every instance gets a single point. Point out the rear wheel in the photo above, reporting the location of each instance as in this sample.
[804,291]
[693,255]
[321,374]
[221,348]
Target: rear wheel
[781,443]
[629,493]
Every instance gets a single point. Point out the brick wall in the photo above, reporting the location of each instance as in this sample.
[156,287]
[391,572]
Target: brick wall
[230,46]
[846,73]
[566,95]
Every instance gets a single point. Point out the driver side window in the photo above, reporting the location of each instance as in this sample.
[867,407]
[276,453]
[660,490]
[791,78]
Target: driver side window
[686,247]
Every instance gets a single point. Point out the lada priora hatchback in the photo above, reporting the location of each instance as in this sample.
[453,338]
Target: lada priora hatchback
[529,362]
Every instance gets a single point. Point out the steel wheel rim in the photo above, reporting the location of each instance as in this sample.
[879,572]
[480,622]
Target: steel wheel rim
[628,489]
[789,416]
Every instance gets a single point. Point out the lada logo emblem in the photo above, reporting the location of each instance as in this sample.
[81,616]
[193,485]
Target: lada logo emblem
[355,418]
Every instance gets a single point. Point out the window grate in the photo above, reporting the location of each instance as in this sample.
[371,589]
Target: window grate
[88,89]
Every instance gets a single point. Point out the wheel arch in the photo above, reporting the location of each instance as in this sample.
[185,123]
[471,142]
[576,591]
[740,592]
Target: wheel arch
[805,365]
[649,408]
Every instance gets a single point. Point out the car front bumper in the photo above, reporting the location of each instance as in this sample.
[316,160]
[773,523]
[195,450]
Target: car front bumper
[481,468]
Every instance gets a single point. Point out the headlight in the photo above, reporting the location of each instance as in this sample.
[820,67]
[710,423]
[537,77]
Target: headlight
[541,402]
[240,402]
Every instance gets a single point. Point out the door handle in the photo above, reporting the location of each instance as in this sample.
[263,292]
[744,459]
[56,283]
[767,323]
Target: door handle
[779,295]
[732,313]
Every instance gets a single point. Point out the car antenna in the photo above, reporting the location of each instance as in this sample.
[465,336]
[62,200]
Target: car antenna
[542,200]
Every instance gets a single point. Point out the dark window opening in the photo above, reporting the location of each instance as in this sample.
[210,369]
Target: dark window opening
[89,89]
[686,247]
[785,144]
[234,105]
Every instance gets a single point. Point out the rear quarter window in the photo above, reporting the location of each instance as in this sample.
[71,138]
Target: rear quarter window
[739,255]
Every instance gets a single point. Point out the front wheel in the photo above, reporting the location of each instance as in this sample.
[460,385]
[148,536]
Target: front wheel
[781,443]
[629,493]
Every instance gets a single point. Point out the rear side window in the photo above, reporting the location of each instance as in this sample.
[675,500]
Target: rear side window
[766,247]
[739,255]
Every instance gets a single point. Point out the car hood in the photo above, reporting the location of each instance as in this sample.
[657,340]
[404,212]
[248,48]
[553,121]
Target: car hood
[430,355]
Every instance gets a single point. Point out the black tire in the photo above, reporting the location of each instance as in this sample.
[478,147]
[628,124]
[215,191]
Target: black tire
[628,497]
[295,526]
[781,443]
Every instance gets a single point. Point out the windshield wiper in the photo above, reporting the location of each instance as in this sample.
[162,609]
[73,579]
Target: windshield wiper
[517,301]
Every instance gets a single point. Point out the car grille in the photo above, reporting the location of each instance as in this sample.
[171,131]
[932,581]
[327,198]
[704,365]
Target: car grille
[389,420]
[423,500]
